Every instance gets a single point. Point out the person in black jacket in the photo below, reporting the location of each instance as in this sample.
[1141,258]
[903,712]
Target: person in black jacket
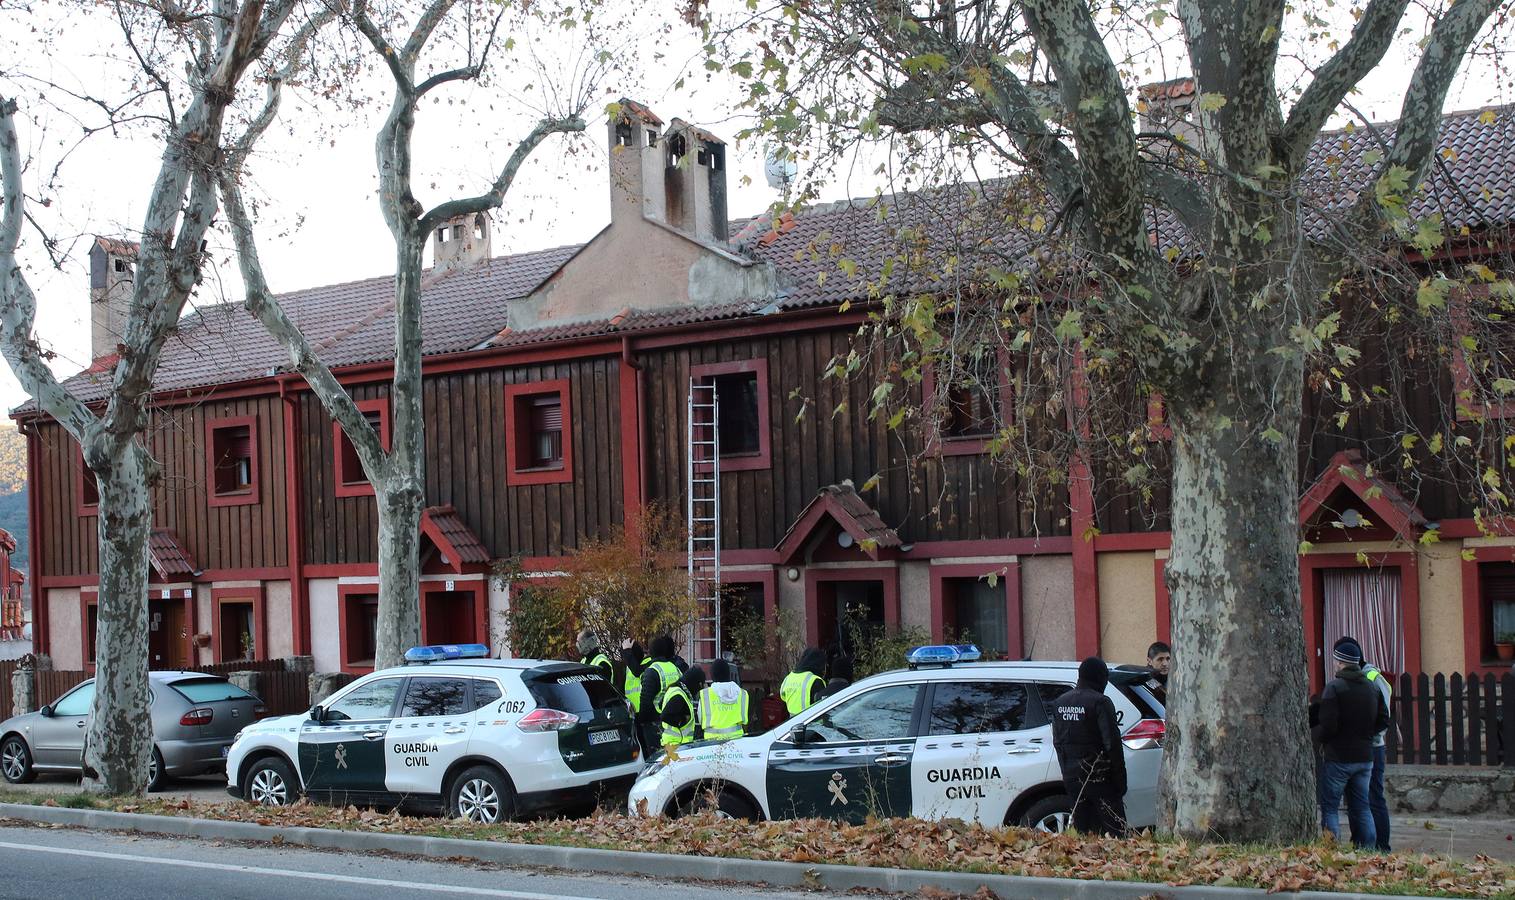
[1350,713]
[659,675]
[677,712]
[1087,740]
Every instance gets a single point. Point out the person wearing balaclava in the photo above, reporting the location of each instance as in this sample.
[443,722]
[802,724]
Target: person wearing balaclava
[1087,740]
[660,675]
[592,654]
[724,706]
[677,711]
[634,661]
[804,686]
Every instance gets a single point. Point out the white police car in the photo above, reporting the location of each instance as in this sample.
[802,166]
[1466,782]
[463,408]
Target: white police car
[946,738]
[484,739]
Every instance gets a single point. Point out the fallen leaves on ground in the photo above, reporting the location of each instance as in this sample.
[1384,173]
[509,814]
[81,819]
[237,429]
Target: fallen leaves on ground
[918,844]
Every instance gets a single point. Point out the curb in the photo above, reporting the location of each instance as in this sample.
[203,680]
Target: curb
[653,865]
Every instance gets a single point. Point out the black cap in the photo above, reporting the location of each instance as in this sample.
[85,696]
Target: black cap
[694,678]
[720,670]
[1093,674]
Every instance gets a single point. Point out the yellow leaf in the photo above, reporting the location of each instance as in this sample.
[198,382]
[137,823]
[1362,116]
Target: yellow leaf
[1486,117]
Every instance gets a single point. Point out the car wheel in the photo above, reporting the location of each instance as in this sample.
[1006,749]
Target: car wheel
[724,802]
[270,783]
[1052,814]
[16,761]
[481,795]
[155,771]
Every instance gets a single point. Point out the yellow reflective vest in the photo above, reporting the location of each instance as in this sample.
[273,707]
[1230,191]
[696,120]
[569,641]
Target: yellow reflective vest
[796,689]
[674,737]
[668,676]
[720,720]
[633,686]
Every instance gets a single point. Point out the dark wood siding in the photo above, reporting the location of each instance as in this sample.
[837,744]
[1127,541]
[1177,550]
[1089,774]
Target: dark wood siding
[926,498]
[465,451]
[226,537]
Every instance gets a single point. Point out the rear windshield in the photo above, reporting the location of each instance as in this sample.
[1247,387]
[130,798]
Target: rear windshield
[209,690]
[577,691]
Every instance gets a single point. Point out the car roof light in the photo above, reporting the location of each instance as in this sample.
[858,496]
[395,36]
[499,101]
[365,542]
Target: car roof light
[440,652]
[941,654]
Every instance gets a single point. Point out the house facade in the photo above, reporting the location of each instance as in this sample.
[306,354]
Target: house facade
[556,408]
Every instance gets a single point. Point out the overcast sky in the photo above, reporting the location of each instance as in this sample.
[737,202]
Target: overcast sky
[319,222]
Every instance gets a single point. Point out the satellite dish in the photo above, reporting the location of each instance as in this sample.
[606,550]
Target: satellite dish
[779,168]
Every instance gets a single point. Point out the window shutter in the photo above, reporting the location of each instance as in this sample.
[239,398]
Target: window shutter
[547,414]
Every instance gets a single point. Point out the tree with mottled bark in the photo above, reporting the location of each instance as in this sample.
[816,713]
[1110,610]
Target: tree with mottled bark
[1109,258]
[397,472]
[217,45]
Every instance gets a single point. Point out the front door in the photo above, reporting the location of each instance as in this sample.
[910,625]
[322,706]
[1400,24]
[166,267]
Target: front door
[850,761]
[167,631]
[447,617]
[849,611]
[982,743]
[58,740]
[344,754]
[429,733]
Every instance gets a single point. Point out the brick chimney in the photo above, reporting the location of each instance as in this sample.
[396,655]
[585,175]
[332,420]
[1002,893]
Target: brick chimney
[112,264]
[461,243]
[636,164]
[1169,106]
[677,178]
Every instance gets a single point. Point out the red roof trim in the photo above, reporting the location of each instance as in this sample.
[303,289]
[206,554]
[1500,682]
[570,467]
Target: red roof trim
[460,547]
[1346,470]
[168,556]
[851,513]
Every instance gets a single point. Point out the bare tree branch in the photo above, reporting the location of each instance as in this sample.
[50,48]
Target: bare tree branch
[496,193]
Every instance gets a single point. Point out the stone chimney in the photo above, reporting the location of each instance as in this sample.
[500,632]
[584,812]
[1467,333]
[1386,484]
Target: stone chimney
[677,178]
[461,243]
[636,164]
[1169,106]
[112,278]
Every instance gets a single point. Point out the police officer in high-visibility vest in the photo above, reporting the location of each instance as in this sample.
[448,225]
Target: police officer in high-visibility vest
[591,654]
[661,674]
[724,710]
[677,711]
[804,686]
[633,663]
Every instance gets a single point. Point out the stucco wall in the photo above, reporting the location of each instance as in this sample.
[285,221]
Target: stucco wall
[277,627]
[64,630]
[499,628]
[1441,622]
[203,624]
[1047,606]
[915,595]
[1127,606]
[325,639]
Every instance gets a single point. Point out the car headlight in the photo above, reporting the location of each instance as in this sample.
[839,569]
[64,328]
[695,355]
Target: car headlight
[654,768]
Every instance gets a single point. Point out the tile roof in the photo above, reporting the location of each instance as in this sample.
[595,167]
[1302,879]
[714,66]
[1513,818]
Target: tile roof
[167,555]
[841,503]
[1472,183]
[452,536]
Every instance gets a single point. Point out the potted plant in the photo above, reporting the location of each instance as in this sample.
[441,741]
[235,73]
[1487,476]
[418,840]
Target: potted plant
[1504,646]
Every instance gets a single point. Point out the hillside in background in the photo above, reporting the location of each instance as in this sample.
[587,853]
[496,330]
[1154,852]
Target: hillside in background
[13,492]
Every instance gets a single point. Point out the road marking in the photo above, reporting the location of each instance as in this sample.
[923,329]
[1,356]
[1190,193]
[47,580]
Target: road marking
[291,873]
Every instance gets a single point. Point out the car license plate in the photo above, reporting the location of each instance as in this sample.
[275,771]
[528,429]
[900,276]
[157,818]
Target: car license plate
[604,737]
[226,751]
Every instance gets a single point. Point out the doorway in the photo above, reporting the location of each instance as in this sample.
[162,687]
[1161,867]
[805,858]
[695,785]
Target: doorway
[849,610]
[1367,605]
[448,617]
[167,635]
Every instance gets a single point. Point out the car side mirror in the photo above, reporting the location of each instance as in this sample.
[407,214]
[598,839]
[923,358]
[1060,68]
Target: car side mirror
[800,735]
[318,713]
[46,711]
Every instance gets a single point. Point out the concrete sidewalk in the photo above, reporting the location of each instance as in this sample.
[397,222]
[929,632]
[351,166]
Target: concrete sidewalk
[1457,837]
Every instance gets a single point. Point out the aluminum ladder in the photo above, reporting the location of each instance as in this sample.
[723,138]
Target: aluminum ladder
[703,518]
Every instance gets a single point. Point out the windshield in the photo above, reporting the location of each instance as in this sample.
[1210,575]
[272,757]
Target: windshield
[210,690]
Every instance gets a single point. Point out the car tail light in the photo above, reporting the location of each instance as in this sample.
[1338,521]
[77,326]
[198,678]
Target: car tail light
[540,720]
[1146,734]
[259,711]
[200,715]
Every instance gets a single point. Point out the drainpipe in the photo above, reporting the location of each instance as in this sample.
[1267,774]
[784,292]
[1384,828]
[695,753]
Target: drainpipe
[299,611]
[633,436]
[41,639]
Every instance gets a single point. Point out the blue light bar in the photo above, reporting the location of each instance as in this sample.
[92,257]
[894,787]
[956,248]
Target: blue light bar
[439,652]
[942,654]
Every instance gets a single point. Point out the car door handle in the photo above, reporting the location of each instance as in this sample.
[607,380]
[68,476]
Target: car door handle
[79,724]
[456,729]
[1017,751]
[892,759]
[373,735]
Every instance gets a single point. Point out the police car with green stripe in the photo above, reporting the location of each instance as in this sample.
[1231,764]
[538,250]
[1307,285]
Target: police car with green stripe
[483,739]
[945,738]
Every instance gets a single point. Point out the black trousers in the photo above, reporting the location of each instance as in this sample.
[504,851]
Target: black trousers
[1098,806]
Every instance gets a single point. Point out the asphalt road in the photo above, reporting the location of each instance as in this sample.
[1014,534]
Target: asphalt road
[50,862]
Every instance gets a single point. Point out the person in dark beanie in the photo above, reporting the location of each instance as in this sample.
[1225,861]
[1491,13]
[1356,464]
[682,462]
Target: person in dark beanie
[1378,802]
[1087,740]
[1350,714]
[678,712]
[660,675]
[838,674]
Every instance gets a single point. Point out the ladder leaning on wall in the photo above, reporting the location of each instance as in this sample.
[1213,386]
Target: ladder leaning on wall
[702,492]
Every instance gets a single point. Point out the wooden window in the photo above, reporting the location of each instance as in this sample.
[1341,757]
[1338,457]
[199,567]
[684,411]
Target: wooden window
[1496,584]
[86,487]
[348,468]
[964,414]
[90,601]
[237,635]
[232,463]
[741,389]
[359,626]
[538,433]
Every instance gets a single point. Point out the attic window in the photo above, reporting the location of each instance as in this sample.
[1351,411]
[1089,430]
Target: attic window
[966,412]
[478,227]
[457,232]
[232,466]
[652,137]
[86,488]
[442,235]
[538,433]
[347,466]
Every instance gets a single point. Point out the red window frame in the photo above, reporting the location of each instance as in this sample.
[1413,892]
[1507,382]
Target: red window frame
[763,458]
[244,496]
[346,594]
[939,444]
[517,432]
[83,475]
[1009,575]
[477,588]
[88,599]
[222,596]
[1477,615]
[355,484]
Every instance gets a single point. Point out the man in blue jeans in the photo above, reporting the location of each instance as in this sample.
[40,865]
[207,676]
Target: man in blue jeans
[1351,713]
[1377,802]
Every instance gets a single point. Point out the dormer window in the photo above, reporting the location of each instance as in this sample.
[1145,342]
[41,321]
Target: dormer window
[232,466]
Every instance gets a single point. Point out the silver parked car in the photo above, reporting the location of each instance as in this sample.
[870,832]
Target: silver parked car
[195,717]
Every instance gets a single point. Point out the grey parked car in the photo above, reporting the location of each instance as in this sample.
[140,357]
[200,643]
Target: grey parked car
[195,718]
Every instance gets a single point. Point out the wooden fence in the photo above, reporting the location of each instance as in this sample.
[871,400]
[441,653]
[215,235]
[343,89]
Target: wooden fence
[7,697]
[1458,721]
[54,683]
